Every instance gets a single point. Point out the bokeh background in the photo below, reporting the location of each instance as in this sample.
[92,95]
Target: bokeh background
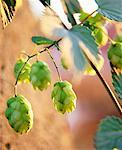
[51,130]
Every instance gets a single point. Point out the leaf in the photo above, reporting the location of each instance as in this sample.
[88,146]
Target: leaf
[109,134]
[111,9]
[117,82]
[79,35]
[7,8]
[45,2]
[39,40]
[72,7]
[84,34]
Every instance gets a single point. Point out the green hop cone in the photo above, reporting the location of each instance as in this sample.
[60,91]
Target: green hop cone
[19,114]
[115,55]
[100,34]
[40,75]
[24,76]
[63,97]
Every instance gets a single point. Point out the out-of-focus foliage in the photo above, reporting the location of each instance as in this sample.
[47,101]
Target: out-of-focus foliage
[111,9]
[7,10]
[72,8]
[109,134]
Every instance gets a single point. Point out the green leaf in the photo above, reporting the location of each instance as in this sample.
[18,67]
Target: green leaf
[39,40]
[7,8]
[117,83]
[84,34]
[77,35]
[72,7]
[109,134]
[111,9]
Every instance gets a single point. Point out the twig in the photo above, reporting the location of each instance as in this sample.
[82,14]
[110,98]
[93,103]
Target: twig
[88,17]
[54,64]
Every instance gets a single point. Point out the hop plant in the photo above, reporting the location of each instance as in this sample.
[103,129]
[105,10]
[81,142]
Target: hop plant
[115,55]
[24,75]
[63,97]
[40,75]
[19,114]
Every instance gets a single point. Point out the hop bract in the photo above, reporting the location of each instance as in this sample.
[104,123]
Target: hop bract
[40,75]
[19,114]
[115,55]
[63,97]
[25,73]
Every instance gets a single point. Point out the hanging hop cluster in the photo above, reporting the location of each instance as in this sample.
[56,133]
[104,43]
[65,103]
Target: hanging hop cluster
[19,114]
[63,97]
[115,55]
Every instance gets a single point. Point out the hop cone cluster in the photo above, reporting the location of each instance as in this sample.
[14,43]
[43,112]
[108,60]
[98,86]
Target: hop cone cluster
[115,55]
[24,76]
[63,97]
[40,75]
[19,114]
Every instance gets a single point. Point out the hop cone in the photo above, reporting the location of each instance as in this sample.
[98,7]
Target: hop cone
[63,97]
[100,35]
[19,114]
[40,75]
[115,55]
[24,76]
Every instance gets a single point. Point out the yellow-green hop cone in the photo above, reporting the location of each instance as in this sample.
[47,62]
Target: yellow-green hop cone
[100,34]
[19,114]
[63,97]
[40,75]
[115,55]
[25,73]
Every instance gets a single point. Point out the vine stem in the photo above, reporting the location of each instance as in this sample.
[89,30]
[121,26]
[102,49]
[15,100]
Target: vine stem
[34,55]
[107,87]
[85,19]
[57,69]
